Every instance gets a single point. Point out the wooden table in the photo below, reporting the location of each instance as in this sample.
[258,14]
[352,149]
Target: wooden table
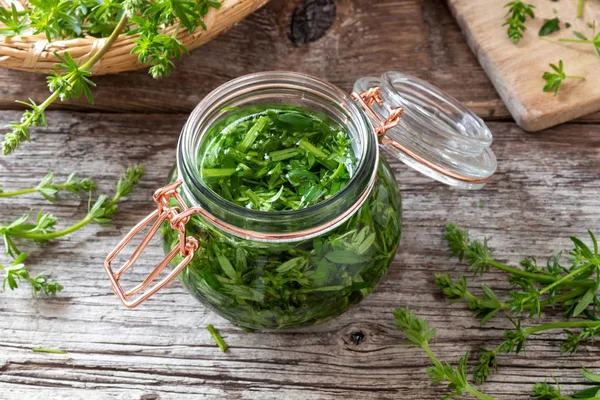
[546,189]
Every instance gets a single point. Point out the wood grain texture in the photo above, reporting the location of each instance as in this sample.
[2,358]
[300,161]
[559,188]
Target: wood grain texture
[546,189]
[516,70]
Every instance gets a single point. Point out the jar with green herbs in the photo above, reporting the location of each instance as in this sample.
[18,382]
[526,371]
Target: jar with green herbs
[280,211]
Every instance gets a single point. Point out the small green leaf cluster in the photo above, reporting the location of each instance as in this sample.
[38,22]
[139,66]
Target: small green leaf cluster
[555,78]
[545,391]
[573,289]
[17,272]
[15,23]
[517,14]
[42,227]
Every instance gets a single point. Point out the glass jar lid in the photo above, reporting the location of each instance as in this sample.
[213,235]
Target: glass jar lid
[436,134]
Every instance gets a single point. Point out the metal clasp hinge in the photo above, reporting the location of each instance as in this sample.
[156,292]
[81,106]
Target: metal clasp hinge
[186,246]
[367,100]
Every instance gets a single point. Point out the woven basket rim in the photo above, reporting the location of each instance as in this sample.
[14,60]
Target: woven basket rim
[35,54]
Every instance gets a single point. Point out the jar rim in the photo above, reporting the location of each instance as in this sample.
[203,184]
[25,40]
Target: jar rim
[200,120]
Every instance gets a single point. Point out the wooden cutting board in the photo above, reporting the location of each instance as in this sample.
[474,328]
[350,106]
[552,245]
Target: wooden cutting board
[516,69]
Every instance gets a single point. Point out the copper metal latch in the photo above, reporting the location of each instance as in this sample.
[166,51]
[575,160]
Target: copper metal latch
[366,101]
[187,246]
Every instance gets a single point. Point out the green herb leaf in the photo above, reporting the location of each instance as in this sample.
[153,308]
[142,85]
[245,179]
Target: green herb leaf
[550,26]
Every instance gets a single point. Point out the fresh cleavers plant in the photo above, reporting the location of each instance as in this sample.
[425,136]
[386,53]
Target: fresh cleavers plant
[418,333]
[65,19]
[573,289]
[42,228]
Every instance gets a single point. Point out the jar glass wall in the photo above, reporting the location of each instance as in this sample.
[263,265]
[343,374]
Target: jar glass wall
[278,284]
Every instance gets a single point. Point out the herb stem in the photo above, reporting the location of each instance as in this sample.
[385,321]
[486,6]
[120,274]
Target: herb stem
[53,235]
[561,325]
[576,77]
[18,192]
[217,172]
[580,8]
[565,278]
[474,392]
[318,153]
[53,351]
[516,271]
[252,134]
[566,40]
[540,278]
[217,338]
[107,45]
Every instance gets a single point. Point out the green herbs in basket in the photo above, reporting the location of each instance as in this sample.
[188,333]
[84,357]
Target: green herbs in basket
[68,19]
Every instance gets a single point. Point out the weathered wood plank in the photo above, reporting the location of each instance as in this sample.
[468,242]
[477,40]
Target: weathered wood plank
[413,36]
[545,190]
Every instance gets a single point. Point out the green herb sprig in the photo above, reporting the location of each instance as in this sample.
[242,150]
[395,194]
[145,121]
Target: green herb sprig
[418,333]
[517,14]
[15,23]
[594,40]
[573,289]
[555,79]
[42,227]
[50,190]
[17,272]
[65,19]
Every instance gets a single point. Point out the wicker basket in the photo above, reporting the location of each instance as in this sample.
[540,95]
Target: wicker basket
[35,54]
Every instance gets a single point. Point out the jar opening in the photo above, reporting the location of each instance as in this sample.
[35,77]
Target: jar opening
[284,89]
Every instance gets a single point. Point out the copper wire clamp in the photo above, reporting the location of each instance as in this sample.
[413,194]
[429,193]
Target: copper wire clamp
[186,246]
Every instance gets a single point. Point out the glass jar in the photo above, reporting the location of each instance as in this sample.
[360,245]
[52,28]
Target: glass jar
[284,269]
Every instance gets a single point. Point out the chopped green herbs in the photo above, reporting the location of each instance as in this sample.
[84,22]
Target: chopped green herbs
[550,26]
[281,159]
[277,159]
[217,338]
